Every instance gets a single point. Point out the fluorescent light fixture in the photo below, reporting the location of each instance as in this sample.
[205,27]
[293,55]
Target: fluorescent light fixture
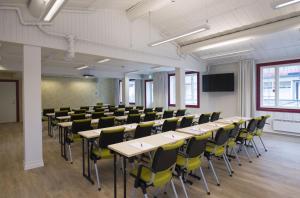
[233,53]
[104,60]
[281,4]
[54,9]
[195,31]
[82,67]
[224,43]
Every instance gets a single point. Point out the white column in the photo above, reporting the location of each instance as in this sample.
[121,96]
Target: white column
[180,89]
[32,120]
[125,90]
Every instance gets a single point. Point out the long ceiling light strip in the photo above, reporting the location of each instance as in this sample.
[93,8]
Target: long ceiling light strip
[195,31]
[104,60]
[282,4]
[82,67]
[224,43]
[226,54]
[54,9]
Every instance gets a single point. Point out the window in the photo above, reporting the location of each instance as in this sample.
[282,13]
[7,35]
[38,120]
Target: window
[120,91]
[279,90]
[192,98]
[132,92]
[149,99]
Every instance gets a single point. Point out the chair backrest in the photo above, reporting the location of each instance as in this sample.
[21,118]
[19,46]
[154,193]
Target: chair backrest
[128,108]
[105,122]
[186,121]
[133,111]
[222,135]
[143,130]
[60,113]
[97,115]
[165,157]
[99,104]
[79,111]
[119,112]
[81,125]
[150,116]
[140,107]
[133,118]
[99,109]
[68,109]
[122,106]
[196,145]
[80,116]
[147,110]
[168,114]
[204,118]
[180,112]
[261,122]
[111,136]
[85,107]
[252,125]
[170,125]
[158,109]
[235,131]
[112,109]
[215,116]
[46,111]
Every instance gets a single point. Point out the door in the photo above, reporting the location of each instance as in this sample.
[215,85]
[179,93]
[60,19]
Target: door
[149,93]
[8,101]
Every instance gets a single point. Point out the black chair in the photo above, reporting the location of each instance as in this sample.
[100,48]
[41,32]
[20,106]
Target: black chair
[158,109]
[140,107]
[147,110]
[97,115]
[128,108]
[79,111]
[85,107]
[133,118]
[180,112]
[204,118]
[77,116]
[168,114]
[97,107]
[106,122]
[215,116]
[73,136]
[112,109]
[186,121]
[100,110]
[259,129]
[45,112]
[150,116]
[169,125]
[143,130]
[133,111]
[119,112]
[57,114]
[121,106]
[68,109]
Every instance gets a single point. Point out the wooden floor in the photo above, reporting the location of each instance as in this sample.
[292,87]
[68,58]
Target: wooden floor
[275,174]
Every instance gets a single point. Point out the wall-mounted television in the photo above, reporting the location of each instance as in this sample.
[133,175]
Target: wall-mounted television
[218,82]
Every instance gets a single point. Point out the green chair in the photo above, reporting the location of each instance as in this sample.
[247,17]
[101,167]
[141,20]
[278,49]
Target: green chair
[180,112]
[168,114]
[73,136]
[190,160]
[150,116]
[57,114]
[97,115]
[97,107]
[79,111]
[143,130]
[215,116]
[259,129]
[159,172]
[121,106]
[147,110]
[68,109]
[85,108]
[134,111]
[204,118]
[107,137]
[106,122]
[99,110]
[217,148]
[45,112]
[186,121]
[169,125]
[158,109]
[133,118]
[77,116]
[140,107]
[128,108]
[119,112]
[99,104]
[112,108]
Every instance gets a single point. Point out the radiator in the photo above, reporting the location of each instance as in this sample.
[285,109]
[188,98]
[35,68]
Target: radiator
[286,125]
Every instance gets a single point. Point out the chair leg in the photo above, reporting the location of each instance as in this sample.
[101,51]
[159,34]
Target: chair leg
[227,166]
[214,172]
[248,156]
[254,148]
[237,157]
[70,153]
[183,186]
[204,181]
[262,142]
[133,192]
[97,175]
[174,189]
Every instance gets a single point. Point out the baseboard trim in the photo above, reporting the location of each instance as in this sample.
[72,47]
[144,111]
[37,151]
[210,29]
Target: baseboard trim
[33,164]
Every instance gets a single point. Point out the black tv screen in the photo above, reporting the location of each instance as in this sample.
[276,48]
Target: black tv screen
[218,82]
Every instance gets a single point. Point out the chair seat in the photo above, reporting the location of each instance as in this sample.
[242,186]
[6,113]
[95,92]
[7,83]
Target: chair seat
[160,179]
[74,138]
[231,143]
[258,132]
[212,148]
[245,135]
[189,164]
[102,154]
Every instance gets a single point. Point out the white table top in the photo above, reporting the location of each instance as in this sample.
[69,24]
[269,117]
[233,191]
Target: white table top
[233,119]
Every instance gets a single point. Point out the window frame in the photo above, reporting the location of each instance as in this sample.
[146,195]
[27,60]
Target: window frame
[133,103]
[258,87]
[198,90]
[145,88]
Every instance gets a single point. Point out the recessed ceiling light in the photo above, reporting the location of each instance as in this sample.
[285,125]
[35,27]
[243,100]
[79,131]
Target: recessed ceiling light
[54,9]
[195,31]
[283,3]
[82,67]
[104,60]
[224,43]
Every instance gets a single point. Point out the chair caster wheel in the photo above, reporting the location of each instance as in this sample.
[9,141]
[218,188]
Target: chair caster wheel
[266,150]
[208,193]
[240,164]
[232,172]
[71,162]
[99,189]
[230,175]
[250,161]
[218,184]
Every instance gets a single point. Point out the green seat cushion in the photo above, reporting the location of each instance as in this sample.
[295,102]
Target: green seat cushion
[231,143]
[258,132]
[189,164]
[74,138]
[102,154]
[214,149]
[246,135]
[159,179]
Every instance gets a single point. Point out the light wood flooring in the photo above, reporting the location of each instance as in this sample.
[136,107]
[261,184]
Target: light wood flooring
[275,174]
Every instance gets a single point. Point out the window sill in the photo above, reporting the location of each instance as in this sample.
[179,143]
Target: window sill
[278,110]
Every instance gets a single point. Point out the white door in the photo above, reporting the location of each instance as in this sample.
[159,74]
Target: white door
[8,100]
[149,94]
